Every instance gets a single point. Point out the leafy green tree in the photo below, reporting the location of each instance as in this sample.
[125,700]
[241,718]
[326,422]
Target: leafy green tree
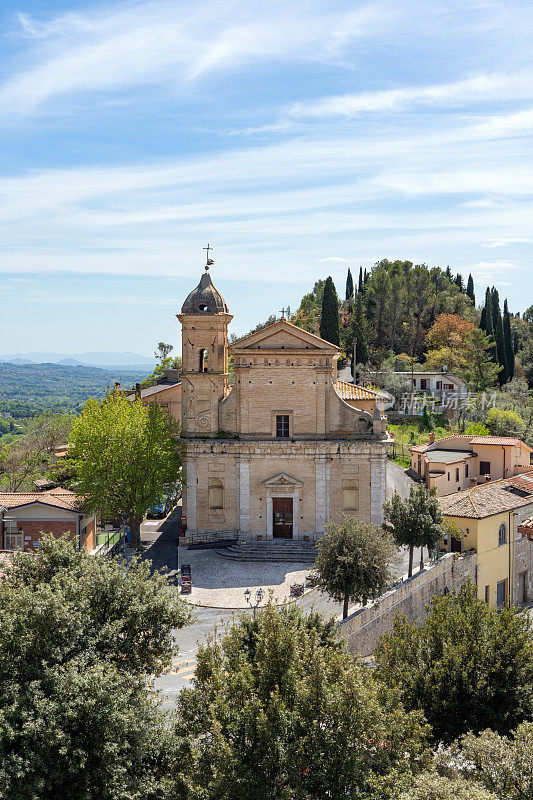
[128,456]
[466,667]
[79,636]
[349,285]
[503,422]
[329,317]
[354,561]
[470,290]
[415,521]
[502,764]
[287,718]
[480,370]
[431,786]
[360,332]
[166,362]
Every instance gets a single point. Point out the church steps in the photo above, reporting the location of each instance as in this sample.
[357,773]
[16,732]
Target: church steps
[294,551]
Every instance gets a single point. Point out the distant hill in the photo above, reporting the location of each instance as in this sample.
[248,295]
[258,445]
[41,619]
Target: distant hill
[57,386]
[91,359]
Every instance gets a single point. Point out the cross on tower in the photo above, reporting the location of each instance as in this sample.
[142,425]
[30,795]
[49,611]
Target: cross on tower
[209,261]
[282,312]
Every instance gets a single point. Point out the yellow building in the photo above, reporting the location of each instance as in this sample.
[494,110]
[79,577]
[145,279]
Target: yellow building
[491,520]
[460,462]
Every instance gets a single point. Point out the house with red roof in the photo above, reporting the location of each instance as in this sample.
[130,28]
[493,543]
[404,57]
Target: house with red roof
[26,516]
[456,463]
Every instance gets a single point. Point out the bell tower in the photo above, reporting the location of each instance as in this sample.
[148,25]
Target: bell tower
[204,335]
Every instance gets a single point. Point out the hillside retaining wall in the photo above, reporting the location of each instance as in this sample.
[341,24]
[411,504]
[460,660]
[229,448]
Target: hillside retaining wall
[364,627]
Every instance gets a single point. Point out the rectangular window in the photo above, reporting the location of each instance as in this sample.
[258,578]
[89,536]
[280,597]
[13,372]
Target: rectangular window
[282,426]
[439,384]
[501,593]
[423,383]
[466,470]
[457,473]
[484,467]
[502,534]
[448,476]
[487,594]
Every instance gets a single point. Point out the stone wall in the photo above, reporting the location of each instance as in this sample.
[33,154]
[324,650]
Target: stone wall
[364,627]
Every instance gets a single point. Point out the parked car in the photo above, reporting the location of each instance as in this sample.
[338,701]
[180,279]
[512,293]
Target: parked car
[163,507]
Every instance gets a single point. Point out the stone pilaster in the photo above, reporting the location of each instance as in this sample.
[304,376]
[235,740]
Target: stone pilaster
[190,491]
[378,483]
[244,496]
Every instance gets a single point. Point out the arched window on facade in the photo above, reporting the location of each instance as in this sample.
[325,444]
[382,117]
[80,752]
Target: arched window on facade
[216,493]
[502,534]
[202,366]
[350,495]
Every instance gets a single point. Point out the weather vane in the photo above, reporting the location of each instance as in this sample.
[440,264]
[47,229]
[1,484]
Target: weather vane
[209,261]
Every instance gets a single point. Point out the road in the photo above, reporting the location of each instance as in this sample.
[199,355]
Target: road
[160,546]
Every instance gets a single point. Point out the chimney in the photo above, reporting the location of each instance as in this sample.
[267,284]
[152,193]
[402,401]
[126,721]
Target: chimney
[432,438]
[488,478]
[137,391]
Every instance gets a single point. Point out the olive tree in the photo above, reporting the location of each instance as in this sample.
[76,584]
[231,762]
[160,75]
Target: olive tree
[354,561]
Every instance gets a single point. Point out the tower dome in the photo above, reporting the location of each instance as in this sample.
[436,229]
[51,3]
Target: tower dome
[205,299]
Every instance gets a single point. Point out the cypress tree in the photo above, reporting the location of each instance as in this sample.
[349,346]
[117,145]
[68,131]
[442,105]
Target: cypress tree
[360,331]
[495,307]
[329,318]
[470,290]
[486,315]
[360,286]
[508,341]
[349,285]
[459,282]
[497,324]
[449,274]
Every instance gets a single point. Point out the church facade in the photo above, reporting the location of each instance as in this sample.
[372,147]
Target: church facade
[278,453]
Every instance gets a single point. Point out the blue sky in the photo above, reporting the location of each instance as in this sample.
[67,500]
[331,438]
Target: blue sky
[295,137]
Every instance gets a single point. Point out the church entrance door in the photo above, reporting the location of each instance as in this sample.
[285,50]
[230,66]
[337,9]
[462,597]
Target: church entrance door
[282,517]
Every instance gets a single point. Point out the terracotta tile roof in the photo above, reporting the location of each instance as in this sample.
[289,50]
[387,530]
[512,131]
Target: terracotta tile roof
[490,498]
[60,498]
[350,391]
[526,526]
[418,448]
[499,440]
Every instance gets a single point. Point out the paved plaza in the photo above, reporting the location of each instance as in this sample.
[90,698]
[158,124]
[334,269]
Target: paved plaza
[218,582]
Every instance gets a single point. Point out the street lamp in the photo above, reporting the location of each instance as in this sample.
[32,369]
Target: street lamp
[258,597]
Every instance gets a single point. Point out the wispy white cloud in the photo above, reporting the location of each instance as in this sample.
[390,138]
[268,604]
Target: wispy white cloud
[505,241]
[172,43]
[458,93]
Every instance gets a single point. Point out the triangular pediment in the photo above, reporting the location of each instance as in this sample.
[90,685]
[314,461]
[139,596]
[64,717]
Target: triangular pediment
[282,480]
[283,335]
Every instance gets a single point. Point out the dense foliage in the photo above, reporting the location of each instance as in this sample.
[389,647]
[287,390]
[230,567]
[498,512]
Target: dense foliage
[127,457]
[276,713]
[502,764]
[79,636]
[467,668]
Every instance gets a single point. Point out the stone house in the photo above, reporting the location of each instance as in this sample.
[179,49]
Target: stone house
[459,462]
[24,517]
[493,520]
[279,452]
[166,392]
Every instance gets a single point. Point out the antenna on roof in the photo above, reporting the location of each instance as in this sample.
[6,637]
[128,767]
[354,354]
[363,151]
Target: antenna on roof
[209,261]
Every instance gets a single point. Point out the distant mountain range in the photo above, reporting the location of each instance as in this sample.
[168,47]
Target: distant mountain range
[91,359]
